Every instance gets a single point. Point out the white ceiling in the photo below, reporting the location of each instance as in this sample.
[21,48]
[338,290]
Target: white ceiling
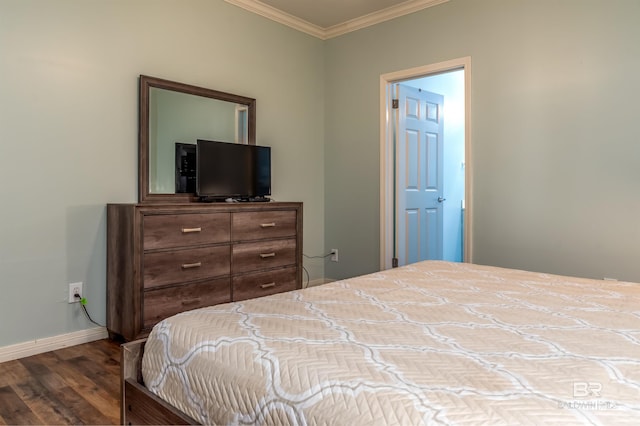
[327,13]
[329,18]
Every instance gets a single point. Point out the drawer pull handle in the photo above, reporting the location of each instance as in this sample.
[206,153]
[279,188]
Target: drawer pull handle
[268,225]
[191,230]
[269,285]
[267,255]
[190,302]
[191,265]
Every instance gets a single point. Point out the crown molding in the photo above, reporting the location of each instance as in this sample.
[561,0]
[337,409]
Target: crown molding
[262,9]
[277,15]
[383,15]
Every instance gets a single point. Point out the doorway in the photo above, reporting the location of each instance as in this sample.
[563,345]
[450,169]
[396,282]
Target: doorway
[425,173]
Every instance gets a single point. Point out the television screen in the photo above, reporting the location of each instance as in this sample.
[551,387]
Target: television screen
[230,170]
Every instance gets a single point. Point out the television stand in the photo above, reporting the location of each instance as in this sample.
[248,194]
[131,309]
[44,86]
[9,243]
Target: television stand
[205,199]
[224,240]
[254,200]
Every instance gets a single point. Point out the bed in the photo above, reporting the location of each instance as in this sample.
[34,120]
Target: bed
[429,343]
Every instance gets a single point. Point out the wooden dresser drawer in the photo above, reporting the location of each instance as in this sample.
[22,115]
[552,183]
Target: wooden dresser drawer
[164,302]
[165,257]
[180,230]
[263,255]
[264,283]
[263,225]
[174,266]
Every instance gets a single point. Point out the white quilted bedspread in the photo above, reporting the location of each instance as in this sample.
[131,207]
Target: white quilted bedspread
[429,343]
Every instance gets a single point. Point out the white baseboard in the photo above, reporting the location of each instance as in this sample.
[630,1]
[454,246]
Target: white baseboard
[38,346]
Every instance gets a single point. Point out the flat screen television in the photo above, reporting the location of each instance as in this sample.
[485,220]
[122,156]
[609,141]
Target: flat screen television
[229,170]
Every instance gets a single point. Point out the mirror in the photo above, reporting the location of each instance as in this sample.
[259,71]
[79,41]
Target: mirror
[172,117]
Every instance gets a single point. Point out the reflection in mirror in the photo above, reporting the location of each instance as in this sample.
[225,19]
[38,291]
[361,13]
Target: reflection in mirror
[180,118]
[172,117]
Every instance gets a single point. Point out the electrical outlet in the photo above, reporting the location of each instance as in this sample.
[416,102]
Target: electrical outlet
[75,288]
[334,255]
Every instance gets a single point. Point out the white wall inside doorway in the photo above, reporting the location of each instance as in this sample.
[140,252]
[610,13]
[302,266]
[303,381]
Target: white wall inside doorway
[451,86]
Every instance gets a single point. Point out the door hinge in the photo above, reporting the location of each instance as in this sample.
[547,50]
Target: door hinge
[394,262]
[395,103]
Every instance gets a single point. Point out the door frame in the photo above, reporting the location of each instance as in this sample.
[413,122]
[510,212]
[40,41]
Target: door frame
[387,167]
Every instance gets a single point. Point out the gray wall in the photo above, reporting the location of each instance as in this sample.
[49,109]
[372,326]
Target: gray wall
[555,152]
[69,124]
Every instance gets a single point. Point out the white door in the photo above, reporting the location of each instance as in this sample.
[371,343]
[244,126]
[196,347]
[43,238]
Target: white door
[419,186]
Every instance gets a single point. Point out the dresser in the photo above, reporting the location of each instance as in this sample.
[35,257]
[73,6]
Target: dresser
[163,259]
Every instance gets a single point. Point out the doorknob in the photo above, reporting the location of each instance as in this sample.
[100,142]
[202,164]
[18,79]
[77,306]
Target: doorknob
[440,199]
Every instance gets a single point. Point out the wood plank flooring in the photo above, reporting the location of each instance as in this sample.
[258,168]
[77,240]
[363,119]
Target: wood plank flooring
[75,385]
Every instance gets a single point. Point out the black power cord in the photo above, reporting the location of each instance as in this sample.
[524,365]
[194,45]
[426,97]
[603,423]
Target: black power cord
[305,269]
[317,257]
[308,278]
[83,303]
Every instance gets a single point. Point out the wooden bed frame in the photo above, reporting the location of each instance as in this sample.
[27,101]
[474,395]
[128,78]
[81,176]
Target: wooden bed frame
[138,406]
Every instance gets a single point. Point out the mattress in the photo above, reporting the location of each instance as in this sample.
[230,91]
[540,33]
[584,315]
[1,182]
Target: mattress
[429,343]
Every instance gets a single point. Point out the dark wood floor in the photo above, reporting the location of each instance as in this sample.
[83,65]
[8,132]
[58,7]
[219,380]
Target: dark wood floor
[75,385]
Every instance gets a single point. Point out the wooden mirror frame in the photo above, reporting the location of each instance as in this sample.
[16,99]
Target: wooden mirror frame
[146,83]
